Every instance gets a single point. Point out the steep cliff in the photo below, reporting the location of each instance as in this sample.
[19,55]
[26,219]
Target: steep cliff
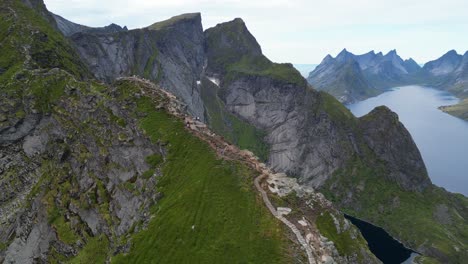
[276,99]
[69,28]
[96,172]
[366,165]
[389,139]
[169,53]
[99,173]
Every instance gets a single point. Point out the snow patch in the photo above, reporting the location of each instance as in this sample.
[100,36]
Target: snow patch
[214,80]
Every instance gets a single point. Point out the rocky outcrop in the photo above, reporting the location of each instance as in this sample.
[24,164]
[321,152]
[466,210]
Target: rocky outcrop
[393,144]
[169,53]
[69,28]
[97,166]
[226,43]
[304,140]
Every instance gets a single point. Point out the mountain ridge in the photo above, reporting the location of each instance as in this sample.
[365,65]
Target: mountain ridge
[377,72]
[308,134]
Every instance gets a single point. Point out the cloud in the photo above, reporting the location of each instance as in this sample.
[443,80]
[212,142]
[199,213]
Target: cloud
[303,31]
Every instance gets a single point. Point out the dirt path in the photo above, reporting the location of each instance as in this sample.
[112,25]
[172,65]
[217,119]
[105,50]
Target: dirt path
[223,150]
[275,213]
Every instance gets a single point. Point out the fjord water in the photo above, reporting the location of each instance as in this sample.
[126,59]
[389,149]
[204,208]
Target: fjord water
[441,138]
[384,247]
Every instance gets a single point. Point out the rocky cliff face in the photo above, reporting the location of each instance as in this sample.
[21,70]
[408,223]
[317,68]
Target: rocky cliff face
[69,28]
[83,163]
[370,166]
[169,53]
[388,139]
[304,140]
[310,134]
[342,77]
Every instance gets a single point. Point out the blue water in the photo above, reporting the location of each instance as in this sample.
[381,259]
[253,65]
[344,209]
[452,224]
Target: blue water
[441,138]
[381,244]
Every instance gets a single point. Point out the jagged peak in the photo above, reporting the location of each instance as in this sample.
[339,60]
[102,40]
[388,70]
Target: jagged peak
[343,52]
[327,58]
[392,52]
[345,55]
[231,41]
[196,17]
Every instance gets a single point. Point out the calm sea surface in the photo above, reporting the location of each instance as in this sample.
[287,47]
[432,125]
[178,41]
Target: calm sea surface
[441,138]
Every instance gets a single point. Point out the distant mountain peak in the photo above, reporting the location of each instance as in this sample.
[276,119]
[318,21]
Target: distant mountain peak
[444,65]
[176,20]
[451,52]
[345,55]
[392,53]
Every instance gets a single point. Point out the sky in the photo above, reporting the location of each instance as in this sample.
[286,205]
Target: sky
[303,31]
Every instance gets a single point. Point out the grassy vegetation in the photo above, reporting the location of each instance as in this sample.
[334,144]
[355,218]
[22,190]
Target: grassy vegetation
[233,51]
[407,215]
[233,129]
[262,66]
[169,22]
[96,250]
[210,212]
[48,48]
[337,111]
[343,241]
[459,110]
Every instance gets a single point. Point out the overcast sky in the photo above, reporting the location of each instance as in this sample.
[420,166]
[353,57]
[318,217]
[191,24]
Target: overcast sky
[303,31]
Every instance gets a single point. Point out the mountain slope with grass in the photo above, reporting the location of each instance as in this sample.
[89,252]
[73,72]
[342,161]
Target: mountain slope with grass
[95,172]
[99,165]
[355,162]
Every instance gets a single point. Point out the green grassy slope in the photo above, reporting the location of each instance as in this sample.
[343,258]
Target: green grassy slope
[413,217]
[459,110]
[262,66]
[215,197]
[209,212]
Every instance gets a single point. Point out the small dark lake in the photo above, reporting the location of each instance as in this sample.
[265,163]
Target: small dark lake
[384,246]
